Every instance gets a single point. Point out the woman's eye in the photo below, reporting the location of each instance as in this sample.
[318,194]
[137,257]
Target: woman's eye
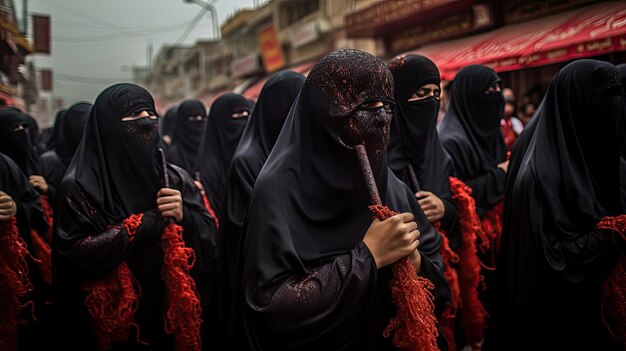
[372,105]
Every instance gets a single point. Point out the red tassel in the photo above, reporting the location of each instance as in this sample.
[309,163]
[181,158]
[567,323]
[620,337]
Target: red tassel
[113,301]
[207,204]
[14,282]
[448,316]
[183,317]
[414,327]
[492,225]
[43,255]
[614,287]
[48,215]
[473,313]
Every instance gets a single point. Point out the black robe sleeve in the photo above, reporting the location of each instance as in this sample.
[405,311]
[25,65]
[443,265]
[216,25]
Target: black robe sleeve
[487,186]
[302,311]
[53,170]
[86,241]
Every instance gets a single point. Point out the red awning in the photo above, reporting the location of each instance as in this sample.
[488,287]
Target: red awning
[589,31]
[255,89]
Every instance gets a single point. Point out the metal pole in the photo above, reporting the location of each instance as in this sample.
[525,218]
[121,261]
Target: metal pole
[25,17]
[216,29]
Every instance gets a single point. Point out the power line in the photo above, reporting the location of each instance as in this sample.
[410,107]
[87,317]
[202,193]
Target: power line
[191,26]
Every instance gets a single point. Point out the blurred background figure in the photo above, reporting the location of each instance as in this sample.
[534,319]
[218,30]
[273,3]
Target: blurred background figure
[510,125]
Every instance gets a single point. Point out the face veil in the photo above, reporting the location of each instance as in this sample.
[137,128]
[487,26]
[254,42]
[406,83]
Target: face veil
[116,162]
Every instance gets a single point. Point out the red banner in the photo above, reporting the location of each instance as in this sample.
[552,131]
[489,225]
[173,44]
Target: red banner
[46,80]
[41,34]
[270,49]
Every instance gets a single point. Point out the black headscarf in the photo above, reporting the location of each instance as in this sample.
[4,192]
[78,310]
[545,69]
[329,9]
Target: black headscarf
[309,206]
[470,133]
[17,144]
[72,130]
[219,141]
[187,134]
[116,162]
[259,136]
[552,261]
[167,124]
[56,131]
[414,138]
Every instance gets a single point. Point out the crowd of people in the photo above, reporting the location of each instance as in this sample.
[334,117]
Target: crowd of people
[339,211]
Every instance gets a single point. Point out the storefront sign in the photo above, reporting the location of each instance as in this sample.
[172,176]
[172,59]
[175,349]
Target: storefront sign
[524,10]
[41,34]
[387,12]
[246,65]
[270,49]
[481,16]
[304,34]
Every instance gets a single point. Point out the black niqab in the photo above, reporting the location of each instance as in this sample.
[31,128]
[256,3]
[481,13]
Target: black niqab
[414,138]
[17,144]
[116,162]
[167,124]
[309,207]
[258,138]
[56,130]
[72,130]
[552,260]
[470,134]
[219,141]
[187,134]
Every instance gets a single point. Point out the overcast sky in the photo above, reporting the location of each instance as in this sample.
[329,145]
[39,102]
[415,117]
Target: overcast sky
[96,42]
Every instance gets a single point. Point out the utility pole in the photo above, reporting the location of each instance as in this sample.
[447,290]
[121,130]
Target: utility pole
[149,55]
[208,5]
[24,17]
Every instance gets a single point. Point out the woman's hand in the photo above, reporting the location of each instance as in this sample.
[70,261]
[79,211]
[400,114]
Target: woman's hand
[8,208]
[392,239]
[431,204]
[170,204]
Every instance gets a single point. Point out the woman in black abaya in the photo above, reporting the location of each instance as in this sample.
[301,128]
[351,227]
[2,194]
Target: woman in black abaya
[257,140]
[559,250]
[227,120]
[190,122]
[415,152]
[314,276]
[56,130]
[167,126]
[100,243]
[418,159]
[54,163]
[470,133]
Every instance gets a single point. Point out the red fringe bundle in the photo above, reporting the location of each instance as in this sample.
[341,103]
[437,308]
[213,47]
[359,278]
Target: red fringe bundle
[41,247]
[473,313]
[492,225]
[43,256]
[207,204]
[112,301]
[450,258]
[414,326]
[614,287]
[14,282]
[183,317]
[48,215]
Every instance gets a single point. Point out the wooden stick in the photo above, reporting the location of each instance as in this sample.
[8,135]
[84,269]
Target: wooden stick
[368,175]
[166,177]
